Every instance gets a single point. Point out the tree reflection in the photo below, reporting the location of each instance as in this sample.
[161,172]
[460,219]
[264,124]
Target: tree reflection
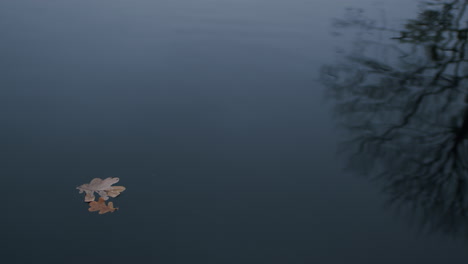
[405,102]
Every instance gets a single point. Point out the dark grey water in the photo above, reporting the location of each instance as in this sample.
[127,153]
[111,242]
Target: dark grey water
[211,115]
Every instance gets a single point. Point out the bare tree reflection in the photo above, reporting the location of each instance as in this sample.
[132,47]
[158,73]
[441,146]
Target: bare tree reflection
[407,110]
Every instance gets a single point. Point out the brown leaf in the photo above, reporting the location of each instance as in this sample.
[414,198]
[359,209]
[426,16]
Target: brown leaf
[102,187]
[101,206]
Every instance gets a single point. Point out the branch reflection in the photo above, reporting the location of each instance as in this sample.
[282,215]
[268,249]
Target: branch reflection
[405,103]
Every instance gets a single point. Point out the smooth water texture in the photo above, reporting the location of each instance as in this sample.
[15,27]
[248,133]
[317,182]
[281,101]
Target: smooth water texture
[210,113]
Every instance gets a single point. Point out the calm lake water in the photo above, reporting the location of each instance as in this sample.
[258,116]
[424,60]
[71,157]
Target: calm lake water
[212,115]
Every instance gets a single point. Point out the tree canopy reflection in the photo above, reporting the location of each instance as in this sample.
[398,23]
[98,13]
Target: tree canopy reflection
[405,101]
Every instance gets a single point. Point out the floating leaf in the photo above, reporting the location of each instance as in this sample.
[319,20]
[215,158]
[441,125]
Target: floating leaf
[115,191]
[102,187]
[101,206]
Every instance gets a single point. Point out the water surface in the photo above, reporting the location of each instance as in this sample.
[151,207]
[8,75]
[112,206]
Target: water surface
[212,116]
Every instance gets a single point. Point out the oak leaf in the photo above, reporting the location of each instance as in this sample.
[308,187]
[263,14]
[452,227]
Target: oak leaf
[101,206]
[101,187]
